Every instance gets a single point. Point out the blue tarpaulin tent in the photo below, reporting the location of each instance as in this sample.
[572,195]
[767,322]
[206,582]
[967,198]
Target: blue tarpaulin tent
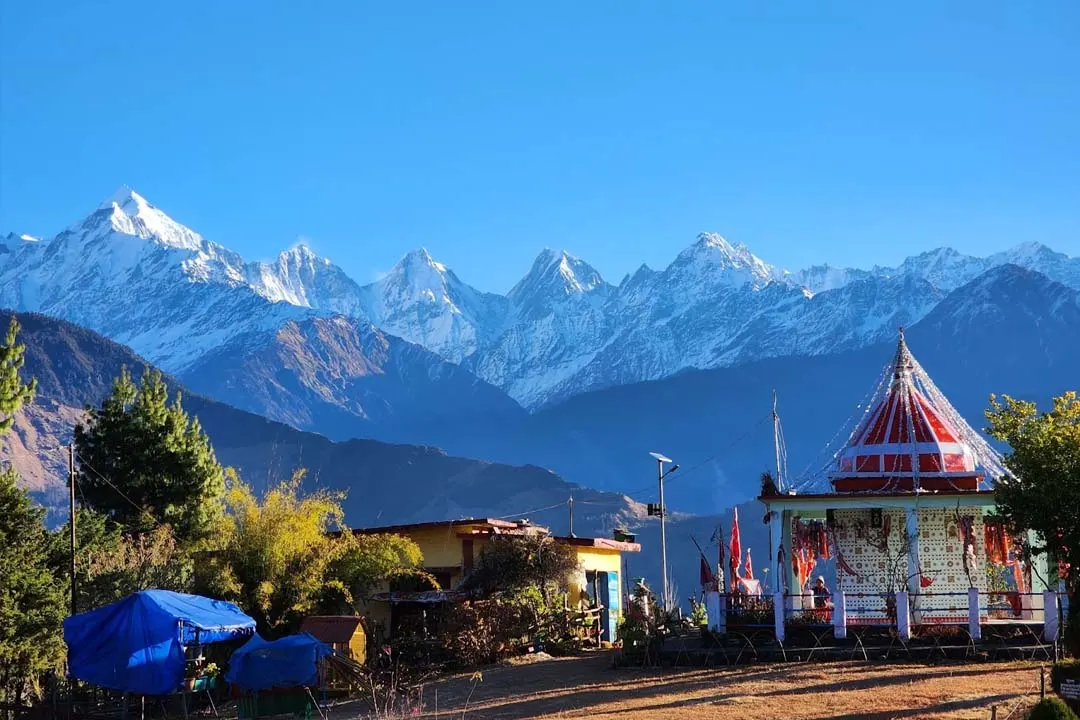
[137,644]
[292,661]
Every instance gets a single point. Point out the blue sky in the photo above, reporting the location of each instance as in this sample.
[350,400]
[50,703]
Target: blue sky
[852,133]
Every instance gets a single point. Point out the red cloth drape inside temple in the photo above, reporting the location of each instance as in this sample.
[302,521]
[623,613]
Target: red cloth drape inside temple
[809,543]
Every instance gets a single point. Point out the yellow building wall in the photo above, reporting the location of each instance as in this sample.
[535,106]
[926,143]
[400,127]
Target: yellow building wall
[441,547]
[595,560]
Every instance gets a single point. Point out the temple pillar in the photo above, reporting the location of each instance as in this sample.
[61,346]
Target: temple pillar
[1042,576]
[911,532]
[1050,616]
[778,615]
[839,615]
[903,615]
[776,542]
[791,582]
[974,611]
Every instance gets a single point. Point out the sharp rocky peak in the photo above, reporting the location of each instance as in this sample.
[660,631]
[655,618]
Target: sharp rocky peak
[557,272]
[129,213]
[301,254]
[418,265]
[737,264]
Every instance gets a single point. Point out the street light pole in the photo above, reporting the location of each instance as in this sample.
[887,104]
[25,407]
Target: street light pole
[660,475]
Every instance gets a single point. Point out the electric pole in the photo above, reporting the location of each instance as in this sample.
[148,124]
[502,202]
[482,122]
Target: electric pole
[662,512]
[71,506]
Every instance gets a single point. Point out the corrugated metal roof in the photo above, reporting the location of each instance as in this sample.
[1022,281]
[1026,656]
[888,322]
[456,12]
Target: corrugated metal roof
[331,629]
[489,522]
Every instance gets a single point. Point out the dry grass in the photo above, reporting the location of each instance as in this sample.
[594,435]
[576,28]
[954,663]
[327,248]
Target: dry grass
[588,687]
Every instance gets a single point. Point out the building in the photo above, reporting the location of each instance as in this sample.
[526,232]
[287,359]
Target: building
[904,516]
[451,547]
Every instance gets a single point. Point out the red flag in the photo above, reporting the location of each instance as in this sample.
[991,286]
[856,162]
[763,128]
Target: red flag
[749,568]
[706,576]
[735,549]
[719,538]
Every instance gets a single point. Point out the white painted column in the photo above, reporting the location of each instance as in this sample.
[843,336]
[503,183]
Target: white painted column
[791,582]
[1050,616]
[776,541]
[903,616]
[974,626]
[715,612]
[839,615]
[911,527]
[778,615]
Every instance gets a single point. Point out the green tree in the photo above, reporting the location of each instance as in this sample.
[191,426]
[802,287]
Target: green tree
[13,392]
[519,562]
[31,601]
[111,565]
[143,461]
[365,562]
[273,553]
[1044,495]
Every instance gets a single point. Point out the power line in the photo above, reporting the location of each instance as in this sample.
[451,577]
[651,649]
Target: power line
[120,492]
[534,510]
[703,463]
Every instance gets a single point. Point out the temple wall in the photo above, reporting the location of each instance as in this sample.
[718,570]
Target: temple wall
[941,554]
[877,558]
[880,562]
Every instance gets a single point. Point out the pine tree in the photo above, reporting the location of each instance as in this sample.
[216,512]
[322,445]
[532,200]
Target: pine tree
[31,601]
[12,391]
[144,462]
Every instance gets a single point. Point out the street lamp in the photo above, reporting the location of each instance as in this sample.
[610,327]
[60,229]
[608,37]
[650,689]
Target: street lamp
[662,511]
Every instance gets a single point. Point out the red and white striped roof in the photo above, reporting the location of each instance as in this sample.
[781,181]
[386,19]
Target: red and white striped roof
[906,442]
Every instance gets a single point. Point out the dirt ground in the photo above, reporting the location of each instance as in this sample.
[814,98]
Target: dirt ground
[588,687]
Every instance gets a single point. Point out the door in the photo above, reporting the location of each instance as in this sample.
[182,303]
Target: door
[609,596]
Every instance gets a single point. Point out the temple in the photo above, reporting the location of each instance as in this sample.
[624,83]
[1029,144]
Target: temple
[900,522]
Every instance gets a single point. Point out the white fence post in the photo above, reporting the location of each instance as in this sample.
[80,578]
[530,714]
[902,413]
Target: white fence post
[778,614]
[839,615]
[903,615]
[715,612]
[1050,616]
[974,625]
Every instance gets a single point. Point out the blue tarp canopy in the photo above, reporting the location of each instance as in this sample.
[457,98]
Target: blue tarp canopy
[292,661]
[137,644]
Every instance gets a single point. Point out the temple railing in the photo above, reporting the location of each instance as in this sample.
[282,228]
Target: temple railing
[906,613]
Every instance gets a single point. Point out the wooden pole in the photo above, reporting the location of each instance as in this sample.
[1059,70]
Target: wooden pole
[71,506]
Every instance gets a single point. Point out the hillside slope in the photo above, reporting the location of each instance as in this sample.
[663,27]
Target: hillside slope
[75,367]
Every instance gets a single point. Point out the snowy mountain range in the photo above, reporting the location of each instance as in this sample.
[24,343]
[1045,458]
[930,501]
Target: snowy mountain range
[134,274]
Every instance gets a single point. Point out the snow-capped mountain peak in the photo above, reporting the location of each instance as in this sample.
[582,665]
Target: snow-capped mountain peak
[419,272]
[555,274]
[299,254]
[129,213]
[304,278]
[712,260]
[423,301]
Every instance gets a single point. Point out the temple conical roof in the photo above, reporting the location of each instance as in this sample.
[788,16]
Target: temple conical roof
[912,438]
